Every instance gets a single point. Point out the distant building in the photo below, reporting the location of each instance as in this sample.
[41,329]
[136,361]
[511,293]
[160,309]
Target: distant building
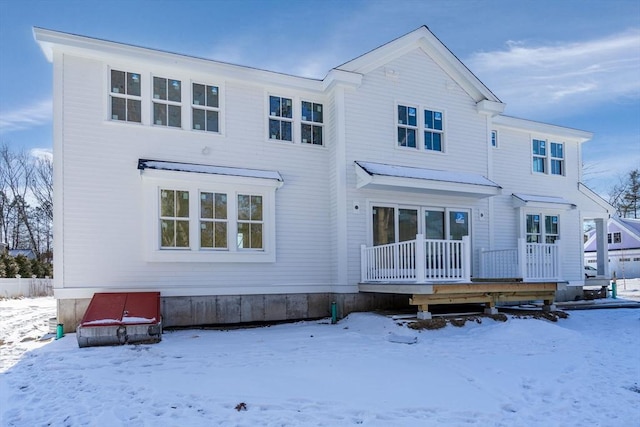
[623,240]
[25,252]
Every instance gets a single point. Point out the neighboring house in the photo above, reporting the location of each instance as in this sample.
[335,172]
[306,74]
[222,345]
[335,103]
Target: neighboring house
[24,252]
[245,195]
[623,240]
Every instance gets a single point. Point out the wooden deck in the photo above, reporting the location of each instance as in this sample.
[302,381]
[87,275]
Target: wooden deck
[489,293]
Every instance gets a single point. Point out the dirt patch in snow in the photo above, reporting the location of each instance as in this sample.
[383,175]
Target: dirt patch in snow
[461,320]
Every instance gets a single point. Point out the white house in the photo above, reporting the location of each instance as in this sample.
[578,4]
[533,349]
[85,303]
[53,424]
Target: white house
[243,194]
[623,243]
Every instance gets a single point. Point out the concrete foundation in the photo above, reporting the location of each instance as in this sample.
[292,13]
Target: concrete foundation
[230,309]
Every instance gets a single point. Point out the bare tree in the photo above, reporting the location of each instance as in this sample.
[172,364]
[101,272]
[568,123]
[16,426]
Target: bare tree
[17,173]
[41,185]
[625,195]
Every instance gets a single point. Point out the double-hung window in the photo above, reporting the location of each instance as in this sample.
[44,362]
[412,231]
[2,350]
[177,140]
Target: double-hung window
[312,119]
[205,108]
[167,98]
[548,158]
[407,126]
[126,99]
[433,130]
[614,237]
[280,118]
[213,220]
[542,228]
[557,158]
[539,155]
[250,221]
[174,219]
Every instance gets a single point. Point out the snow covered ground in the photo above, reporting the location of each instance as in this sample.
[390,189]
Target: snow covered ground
[579,371]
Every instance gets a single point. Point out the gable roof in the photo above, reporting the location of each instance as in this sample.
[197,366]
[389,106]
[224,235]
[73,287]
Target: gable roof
[630,228]
[424,39]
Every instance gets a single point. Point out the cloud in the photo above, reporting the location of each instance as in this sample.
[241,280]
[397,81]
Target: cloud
[26,117]
[42,153]
[550,79]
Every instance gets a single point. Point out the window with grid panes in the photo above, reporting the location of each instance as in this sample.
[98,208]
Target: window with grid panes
[557,158]
[205,108]
[433,130]
[250,222]
[167,98]
[174,219]
[311,126]
[125,96]
[539,148]
[280,118]
[407,126]
[213,220]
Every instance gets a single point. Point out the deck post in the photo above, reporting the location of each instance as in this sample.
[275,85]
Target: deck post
[363,264]
[466,261]
[549,305]
[557,262]
[522,259]
[420,259]
[423,312]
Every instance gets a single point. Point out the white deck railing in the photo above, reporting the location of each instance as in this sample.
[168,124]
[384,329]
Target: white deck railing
[420,260]
[529,261]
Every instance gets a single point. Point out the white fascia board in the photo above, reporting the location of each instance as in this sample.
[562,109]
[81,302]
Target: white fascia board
[491,108]
[384,182]
[336,77]
[106,50]
[423,39]
[204,178]
[540,202]
[541,128]
[596,198]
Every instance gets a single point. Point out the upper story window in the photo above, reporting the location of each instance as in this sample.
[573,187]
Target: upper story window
[542,232]
[213,220]
[548,159]
[557,158]
[615,237]
[280,118]
[205,108]
[410,128]
[407,126]
[433,130]
[539,155]
[174,219]
[167,96]
[494,138]
[125,96]
[312,123]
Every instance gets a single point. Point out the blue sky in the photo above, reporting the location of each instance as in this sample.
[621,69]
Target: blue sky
[573,63]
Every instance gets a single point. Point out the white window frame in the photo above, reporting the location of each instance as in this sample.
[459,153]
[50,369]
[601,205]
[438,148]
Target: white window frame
[206,108]
[547,158]
[196,183]
[406,126]
[422,209]
[272,116]
[543,234]
[173,218]
[553,158]
[213,220]
[126,96]
[420,127]
[304,121]
[167,102]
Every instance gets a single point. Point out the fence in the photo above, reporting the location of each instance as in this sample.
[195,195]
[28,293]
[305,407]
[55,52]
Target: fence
[26,287]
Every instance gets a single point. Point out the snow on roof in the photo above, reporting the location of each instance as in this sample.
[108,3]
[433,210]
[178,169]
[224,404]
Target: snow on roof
[208,169]
[542,199]
[632,224]
[426,174]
